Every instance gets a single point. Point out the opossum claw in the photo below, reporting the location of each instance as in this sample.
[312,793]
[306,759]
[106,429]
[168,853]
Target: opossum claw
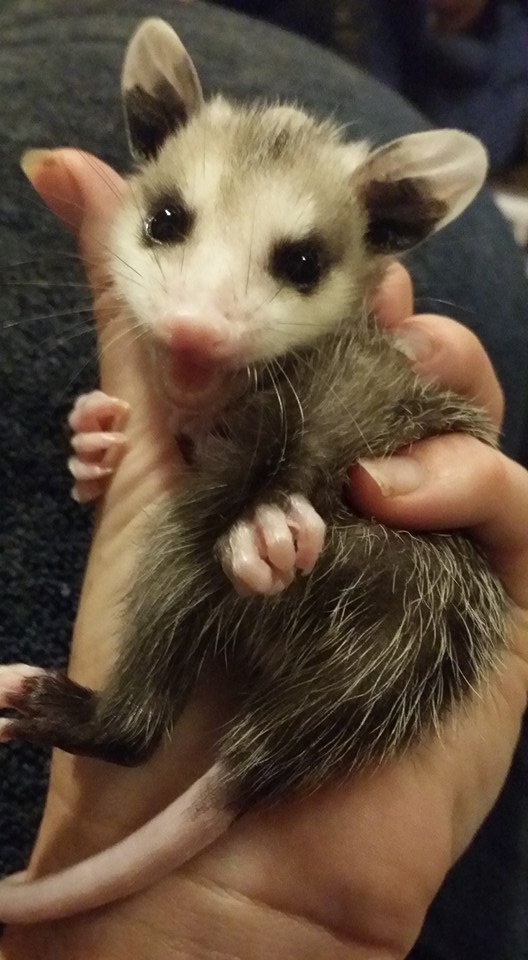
[13,677]
[262,555]
[12,681]
[98,443]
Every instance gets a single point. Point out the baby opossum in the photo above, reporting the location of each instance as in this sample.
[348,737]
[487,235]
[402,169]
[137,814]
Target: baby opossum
[260,237]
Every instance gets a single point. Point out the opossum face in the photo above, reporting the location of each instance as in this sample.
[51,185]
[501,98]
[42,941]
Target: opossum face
[250,232]
[244,235]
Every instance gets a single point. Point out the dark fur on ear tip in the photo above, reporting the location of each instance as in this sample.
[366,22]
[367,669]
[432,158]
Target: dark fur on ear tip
[400,214]
[151,117]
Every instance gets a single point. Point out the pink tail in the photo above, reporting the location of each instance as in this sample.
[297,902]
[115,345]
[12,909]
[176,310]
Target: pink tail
[175,835]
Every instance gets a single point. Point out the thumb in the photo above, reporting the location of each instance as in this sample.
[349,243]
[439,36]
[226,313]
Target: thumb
[453,482]
[83,193]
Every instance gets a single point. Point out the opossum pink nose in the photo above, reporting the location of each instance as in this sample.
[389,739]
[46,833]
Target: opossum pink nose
[206,338]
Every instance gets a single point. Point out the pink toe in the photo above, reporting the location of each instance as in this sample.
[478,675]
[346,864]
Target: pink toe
[276,534]
[97,411]
[6,730]
[86,491]
[310,532]
[87,471]
[96,442]
[12,679]
[242,563]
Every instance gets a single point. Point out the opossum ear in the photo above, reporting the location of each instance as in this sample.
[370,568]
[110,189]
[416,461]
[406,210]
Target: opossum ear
[413,186]
[160,86]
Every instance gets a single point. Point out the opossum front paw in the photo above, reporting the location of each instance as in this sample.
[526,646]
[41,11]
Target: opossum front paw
[97,421]
[263,554]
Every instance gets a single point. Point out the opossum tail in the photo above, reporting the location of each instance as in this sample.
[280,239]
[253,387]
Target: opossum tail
[171,838]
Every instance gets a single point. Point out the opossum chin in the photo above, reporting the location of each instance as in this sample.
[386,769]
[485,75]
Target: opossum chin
[192,383]
[194,388]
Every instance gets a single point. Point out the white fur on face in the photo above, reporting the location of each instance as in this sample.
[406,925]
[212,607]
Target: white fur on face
[245,198]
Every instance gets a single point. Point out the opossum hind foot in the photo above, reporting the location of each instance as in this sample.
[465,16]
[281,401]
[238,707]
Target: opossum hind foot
[52,710]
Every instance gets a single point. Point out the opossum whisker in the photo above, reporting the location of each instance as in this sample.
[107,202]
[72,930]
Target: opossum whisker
[271,298]
[103,176]
[256,444]
[97,352]
[342,128]
[250,244]
[138,334]
[60,314]
[62,285]
[429,298]
[59,339]
[294,392]
[124,262]
[330,387]
[283,418]
[91,261]
[44,258]
[141,217]
[42,284]
[29,196]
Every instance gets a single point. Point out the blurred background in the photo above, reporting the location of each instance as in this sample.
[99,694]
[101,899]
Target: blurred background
[463,63]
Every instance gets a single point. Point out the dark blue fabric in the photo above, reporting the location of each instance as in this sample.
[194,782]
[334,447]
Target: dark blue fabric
[477,81]
[59,70]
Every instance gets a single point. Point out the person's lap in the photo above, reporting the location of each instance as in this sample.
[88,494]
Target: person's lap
[59,82]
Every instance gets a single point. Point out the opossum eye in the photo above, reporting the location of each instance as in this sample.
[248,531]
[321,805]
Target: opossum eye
[300,263]
[170,223]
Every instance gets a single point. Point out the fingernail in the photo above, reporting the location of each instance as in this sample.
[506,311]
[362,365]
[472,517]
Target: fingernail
[415,343]
[34,158]
[395,476]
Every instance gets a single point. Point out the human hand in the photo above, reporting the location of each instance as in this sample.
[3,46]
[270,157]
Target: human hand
[341,873]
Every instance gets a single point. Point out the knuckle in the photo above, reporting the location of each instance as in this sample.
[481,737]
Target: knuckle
[492,471]
[484,464]
[459,360]
[467,343]
[319,526]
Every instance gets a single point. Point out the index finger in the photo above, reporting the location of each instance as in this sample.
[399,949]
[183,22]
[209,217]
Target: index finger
[454,482]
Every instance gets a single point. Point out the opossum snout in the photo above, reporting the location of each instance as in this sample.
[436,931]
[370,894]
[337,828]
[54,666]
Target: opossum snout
[211,339]
[197,350]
